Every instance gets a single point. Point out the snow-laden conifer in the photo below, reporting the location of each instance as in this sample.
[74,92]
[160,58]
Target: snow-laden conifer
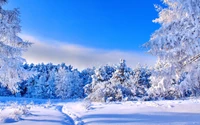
[68,83]
[119,83]
[11,48]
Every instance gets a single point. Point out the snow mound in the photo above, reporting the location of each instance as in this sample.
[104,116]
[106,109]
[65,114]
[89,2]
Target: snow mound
[13,113]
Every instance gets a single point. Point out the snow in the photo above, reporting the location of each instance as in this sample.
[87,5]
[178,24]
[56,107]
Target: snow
[79,112]
[40,112]
[140,113]
[43,116]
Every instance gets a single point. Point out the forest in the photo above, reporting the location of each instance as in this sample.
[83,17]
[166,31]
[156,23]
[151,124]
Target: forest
[175,75]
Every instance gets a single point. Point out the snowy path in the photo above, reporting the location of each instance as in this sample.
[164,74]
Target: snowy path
[40,116]
[44,116]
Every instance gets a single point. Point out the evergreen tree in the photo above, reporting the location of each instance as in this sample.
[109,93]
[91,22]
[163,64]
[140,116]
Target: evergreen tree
[68,83]
[141,82]
[86,75]
[11,48]
[121,84]
[61,82]
[101,74]
[42,85]
[121,88]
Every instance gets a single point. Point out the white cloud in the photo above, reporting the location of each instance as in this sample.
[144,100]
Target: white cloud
[79,56]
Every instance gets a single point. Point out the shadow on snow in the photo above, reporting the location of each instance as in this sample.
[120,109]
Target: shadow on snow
[142,118]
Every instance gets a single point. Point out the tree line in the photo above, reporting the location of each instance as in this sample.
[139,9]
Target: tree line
[176,74]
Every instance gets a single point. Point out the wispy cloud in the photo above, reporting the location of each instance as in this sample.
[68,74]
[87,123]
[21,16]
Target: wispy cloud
[79,56]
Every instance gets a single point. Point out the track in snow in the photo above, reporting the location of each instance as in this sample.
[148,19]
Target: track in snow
[41,116]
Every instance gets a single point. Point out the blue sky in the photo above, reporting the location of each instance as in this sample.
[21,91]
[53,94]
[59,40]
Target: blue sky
[122,25]
[107,24]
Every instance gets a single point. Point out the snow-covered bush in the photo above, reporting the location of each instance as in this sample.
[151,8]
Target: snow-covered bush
[13,113]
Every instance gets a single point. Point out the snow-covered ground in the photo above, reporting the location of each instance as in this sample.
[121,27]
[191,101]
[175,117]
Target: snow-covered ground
[20,111]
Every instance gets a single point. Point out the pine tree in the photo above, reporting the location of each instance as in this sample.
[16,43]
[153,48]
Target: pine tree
[61,83]
[42,84]
[86,75]
[77,84]
[11,48]
[140,82]
[176,44]
[121,84]
[101,74]
[68,83]
[121,87]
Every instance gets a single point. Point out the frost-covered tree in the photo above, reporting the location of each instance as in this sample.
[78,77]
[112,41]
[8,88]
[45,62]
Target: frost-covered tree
[11,48]
[190,84]
[4,91]
[36,86]
[77,88]
[52,81]
[120,89]
[141,81]
[61,81]
[41,85]
[86,75]
[112,88]
[101,74]
[176,44]
[142,75]
[68,83]
[123,84]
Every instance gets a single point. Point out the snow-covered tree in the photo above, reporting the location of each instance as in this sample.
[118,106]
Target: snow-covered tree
[61,80]
[86,75]
[41,85]
[121,85]
[101,74]
[11,48]
[68,83]
[190,84]
[176,44]
[141,81]
[77,82]
[35,87]
[5,92]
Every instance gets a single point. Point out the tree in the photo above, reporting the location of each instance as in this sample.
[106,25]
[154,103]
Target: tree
[141,81]
[36,86]
[176,44]
[11,48]
[86,75]
[100,75]
[68,83]
[41,85]
[120,84]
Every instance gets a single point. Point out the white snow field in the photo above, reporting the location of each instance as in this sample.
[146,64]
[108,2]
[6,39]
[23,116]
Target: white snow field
[21,111]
